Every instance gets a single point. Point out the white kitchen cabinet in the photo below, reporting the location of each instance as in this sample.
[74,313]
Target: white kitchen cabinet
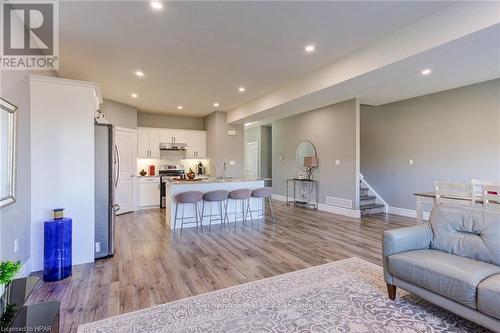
[172,136]
[149,191]
[196,144]
[148,142]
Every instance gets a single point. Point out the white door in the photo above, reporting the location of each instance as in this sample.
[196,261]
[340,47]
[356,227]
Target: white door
[252,159]
[126,143]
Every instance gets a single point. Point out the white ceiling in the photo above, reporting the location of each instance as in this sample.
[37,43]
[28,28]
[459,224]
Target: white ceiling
[196,53]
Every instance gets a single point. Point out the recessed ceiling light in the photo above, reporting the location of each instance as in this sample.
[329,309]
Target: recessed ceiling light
[426,71]
[216,105]
[310,48]
[179,107]
[241,89]
[134,95]
[139,73]
[156,5]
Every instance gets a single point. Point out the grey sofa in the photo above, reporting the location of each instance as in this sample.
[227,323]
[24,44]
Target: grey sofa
[453,261]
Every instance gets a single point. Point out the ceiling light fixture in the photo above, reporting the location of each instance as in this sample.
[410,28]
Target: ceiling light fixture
[139,73]
[156,5]
[310,48]
[179,107]
[426,71]
[216,105]
[134,95]
[241,89]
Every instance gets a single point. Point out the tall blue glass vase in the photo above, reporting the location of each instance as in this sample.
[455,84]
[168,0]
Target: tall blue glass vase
[57,249]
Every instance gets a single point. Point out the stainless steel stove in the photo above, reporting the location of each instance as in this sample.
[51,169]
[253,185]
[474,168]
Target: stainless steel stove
[168,172]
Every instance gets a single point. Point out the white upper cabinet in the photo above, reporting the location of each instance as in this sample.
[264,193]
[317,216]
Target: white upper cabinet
[172,136]
[196,144]
[148,142]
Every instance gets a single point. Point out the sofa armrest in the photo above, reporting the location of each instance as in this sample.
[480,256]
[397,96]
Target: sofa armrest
[412,238]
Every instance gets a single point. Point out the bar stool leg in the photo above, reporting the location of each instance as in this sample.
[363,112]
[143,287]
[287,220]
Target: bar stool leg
[226,217]
[272,212]
[220,214]
[210,223]
[202,213]
[249,210]
[182,218]
[175,217]
[196,214]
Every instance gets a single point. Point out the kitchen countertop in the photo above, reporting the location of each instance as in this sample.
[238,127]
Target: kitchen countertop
[212,180]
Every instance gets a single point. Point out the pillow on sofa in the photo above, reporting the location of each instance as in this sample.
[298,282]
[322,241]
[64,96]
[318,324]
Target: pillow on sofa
[466,231]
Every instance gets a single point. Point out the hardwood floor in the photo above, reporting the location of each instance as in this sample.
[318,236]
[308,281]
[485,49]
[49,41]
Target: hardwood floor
[153,265]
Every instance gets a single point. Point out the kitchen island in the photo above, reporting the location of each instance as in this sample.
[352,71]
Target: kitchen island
[174,187]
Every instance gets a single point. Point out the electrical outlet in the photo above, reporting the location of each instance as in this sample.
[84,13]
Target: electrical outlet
[97,246]
[337,162]
[232,162]
[231,132]
[16,245]
[410,161]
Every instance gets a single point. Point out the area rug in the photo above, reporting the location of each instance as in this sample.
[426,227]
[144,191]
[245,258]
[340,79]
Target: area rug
[343,296]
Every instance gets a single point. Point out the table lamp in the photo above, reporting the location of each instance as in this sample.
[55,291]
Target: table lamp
[310,162]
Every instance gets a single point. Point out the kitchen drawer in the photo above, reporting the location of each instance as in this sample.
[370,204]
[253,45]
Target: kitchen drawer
[149,180]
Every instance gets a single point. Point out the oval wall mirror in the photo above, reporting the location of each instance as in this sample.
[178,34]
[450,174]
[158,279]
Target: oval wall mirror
[7,152]
[305,151]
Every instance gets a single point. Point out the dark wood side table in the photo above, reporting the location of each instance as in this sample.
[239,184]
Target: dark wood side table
[42,317]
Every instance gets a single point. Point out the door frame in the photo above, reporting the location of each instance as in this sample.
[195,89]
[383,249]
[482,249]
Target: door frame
[257,143]
[135,195]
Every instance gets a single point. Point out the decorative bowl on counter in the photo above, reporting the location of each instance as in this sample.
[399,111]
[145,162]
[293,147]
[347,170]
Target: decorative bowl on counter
[191,174]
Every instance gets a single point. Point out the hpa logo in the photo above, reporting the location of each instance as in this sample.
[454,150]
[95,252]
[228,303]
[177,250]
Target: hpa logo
[29,35]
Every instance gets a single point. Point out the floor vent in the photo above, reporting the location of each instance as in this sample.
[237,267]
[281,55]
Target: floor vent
[339,202]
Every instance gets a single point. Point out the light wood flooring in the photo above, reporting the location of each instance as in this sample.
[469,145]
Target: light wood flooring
[154,265]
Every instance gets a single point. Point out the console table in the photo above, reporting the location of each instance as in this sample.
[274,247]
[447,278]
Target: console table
[43,317]
[307,184]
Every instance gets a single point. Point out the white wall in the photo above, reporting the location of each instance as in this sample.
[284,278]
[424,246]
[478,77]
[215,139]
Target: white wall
[62,162]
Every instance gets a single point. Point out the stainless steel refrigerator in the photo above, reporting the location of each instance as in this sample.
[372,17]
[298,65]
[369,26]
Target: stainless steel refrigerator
[107,166]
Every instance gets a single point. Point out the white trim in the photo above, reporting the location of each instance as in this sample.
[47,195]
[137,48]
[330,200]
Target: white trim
[407,212]
[386,206]
[357,202]
[354,213]
[25,269]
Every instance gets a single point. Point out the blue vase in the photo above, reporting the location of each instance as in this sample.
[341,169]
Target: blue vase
[57,249]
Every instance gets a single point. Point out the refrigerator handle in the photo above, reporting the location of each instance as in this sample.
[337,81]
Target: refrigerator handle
[117,166]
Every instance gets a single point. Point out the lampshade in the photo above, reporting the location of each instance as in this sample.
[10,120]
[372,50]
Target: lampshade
[310,161]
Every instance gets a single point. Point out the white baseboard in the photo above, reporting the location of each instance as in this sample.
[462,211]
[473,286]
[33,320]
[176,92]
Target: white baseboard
[354,213]
[25,269]
[407,212]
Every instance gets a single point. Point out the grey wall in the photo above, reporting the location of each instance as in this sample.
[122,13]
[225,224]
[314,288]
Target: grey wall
[266,152]
[332,130]
[451,136]
[145,119]
[15,219]
[222,147]
[120,114]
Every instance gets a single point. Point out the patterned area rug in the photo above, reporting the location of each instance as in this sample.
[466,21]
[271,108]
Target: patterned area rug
[343,296]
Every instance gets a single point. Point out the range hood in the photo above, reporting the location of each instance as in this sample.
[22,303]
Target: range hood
[173,146]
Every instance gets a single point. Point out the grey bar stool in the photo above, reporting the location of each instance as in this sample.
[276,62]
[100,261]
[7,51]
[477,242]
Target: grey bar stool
[219,197]
[243,197]
[264,193]
[190,197]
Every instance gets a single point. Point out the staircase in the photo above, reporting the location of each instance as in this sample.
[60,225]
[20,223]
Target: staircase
[369,203]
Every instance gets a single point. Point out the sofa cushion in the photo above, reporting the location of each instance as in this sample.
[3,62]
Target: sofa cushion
[488,296]
[466,231]
[446,274]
